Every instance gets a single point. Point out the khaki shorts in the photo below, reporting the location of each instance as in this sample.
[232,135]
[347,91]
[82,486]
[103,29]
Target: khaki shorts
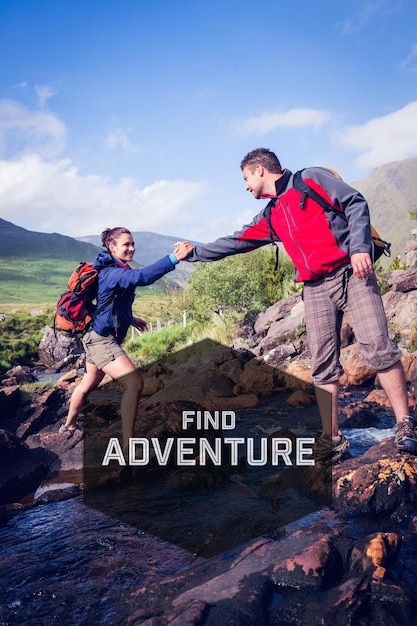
[101,350]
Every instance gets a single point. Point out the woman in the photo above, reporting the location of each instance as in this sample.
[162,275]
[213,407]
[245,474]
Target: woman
[102,342]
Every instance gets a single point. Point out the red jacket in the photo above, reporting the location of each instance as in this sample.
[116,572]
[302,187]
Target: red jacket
[317,241]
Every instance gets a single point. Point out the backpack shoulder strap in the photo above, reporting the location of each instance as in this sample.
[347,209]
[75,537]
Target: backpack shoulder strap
[307,191]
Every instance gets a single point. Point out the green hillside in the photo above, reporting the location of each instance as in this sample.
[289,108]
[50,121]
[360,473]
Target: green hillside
[34,267]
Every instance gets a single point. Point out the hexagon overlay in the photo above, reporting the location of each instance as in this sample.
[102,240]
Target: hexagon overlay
[218,456]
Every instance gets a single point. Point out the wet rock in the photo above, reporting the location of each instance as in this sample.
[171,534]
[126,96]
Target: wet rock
[21,469]
[358,418]
[315,566]
[374,554]
[378,482]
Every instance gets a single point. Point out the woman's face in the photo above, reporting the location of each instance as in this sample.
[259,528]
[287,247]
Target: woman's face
[124,248]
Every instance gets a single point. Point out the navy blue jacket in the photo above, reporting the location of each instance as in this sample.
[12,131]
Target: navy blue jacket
[116,292]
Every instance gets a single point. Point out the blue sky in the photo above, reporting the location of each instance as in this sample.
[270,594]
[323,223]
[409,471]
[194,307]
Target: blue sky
[138,113]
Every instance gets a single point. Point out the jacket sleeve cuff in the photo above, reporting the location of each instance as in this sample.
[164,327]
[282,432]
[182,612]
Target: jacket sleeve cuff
[173,259]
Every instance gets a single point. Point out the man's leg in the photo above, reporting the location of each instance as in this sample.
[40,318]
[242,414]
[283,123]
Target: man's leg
[369,323]
[328,404]
[323,321]
[393,383]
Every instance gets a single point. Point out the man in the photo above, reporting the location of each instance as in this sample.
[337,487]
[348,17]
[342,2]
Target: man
[332,255]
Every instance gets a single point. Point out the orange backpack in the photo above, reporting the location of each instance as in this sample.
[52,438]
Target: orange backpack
[75,308]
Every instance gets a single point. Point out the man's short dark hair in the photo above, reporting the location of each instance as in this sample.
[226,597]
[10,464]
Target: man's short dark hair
[264,157]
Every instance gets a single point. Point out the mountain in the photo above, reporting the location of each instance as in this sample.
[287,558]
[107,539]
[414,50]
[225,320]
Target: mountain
[17,242]
[35,267]
[391,192]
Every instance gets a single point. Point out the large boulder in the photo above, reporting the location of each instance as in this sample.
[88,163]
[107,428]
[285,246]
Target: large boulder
[378,482]
[57,346]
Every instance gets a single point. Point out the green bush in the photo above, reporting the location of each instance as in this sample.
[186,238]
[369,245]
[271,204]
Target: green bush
[20,335]
[240,283]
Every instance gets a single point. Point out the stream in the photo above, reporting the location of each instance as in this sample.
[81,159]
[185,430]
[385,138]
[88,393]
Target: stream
[66,563]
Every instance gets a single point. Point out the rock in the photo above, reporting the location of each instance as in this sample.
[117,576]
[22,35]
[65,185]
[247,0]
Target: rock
[21,469]
[374,554]
[18,375]
[279,354]
[378,482]
[10,399]
[285,329]
[151,385]
[356,370]
[403,280]
[256,377]
[314,566]
[358,418]
[70,376]
[278,311]
[44,412]
[55,346]
[301,369]
[401,310]
[298,398]
[347,336]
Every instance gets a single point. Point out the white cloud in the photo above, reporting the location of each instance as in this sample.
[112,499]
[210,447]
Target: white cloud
[43,94]
[42,191]
[54,197]
[407,63]
[118,138]
[392,137]
[370,12]
[294,118]
[23,130]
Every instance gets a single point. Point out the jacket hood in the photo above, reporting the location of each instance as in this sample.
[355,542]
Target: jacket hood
[104,259]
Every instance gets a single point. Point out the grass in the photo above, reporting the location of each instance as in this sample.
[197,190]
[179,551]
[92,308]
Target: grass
[20,335]
[43,280]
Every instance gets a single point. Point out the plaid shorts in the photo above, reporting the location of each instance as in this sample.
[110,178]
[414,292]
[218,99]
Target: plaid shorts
[326,300]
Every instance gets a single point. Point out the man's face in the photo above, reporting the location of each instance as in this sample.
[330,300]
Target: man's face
[254,180]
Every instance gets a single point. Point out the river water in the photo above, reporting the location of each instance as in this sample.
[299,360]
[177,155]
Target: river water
[66,563]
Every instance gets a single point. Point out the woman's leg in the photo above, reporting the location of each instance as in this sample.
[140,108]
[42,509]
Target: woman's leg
[126,373]
[91,379]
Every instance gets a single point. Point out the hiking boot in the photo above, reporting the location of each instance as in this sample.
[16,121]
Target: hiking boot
[327,451]
[406,435]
